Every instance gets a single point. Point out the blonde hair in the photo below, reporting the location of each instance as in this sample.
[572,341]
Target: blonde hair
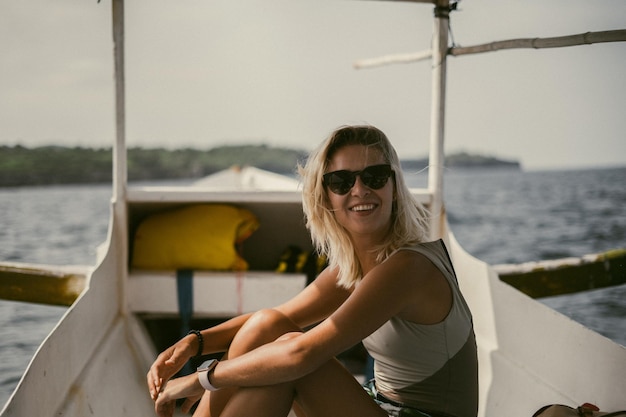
[409,217]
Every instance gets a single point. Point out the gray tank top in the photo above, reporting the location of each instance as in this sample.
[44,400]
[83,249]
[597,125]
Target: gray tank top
[430,367]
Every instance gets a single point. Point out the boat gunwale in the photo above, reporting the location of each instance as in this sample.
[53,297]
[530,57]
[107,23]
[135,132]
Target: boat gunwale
[187,194]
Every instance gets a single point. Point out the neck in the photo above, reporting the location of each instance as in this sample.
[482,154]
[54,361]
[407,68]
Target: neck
[364,245]
[366,257]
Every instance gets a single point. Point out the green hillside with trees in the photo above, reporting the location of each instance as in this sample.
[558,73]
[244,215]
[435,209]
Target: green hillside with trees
[47,165]
[60,165]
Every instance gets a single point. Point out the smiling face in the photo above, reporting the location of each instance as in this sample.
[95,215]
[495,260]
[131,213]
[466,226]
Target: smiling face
[364,212]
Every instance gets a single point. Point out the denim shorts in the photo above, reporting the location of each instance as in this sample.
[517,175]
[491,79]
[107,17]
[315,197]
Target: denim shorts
[392,408]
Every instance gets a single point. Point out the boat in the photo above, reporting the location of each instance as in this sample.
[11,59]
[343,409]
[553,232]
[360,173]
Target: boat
[95,360]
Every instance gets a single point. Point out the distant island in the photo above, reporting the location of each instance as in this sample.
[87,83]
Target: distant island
[48,165]
[465,160]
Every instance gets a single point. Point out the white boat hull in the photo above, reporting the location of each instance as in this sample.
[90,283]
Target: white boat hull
[95,360]
[531,355]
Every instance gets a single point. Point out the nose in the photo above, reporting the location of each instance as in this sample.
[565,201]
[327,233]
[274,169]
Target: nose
[359,189]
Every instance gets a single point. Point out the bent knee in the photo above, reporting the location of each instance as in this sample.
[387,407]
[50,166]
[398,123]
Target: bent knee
[262,327]
[272,321]
[268,318]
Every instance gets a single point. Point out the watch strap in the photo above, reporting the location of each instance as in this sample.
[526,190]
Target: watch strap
[203,375]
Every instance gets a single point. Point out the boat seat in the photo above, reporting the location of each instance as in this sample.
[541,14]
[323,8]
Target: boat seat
[214,293]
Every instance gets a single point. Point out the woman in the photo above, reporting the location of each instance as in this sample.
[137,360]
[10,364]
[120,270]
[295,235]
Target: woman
[384,285]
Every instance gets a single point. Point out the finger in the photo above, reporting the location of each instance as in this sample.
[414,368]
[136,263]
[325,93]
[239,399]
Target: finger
[154,384]
[151,386]
[164,405]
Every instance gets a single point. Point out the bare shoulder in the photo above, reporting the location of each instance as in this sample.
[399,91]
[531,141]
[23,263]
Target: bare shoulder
[428,291]
[411,265]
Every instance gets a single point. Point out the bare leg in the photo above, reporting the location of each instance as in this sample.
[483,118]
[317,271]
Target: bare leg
[333,391]
[327,392]
[330,391]
[270,401]
[263,327]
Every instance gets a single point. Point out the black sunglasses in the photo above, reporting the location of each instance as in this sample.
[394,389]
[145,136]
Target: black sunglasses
[374,177]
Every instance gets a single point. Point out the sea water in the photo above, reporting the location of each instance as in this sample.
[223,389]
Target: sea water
[500,216]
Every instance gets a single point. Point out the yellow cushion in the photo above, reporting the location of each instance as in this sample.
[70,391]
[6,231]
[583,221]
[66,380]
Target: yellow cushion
[201,236]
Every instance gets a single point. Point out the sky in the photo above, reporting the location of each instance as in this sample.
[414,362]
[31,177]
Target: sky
[280,72]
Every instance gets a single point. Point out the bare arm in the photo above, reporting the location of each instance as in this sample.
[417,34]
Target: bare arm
[310,306]
[396,287]
[316,302]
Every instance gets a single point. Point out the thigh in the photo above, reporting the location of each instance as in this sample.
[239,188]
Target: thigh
[333,391]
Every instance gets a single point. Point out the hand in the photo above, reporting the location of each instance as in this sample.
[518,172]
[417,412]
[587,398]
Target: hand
[167,364]
[187,387]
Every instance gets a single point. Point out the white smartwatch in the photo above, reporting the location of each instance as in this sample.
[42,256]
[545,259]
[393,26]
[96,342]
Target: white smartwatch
[203,374]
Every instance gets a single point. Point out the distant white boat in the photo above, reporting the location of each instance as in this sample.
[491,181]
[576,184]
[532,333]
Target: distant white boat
[248,178]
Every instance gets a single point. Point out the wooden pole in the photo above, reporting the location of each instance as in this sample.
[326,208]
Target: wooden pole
[587,38]
[437,119]
[393,59]
[43,284]
[118,234]
[119,148]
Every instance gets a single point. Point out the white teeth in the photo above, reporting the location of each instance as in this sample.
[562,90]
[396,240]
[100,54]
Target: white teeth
[363,207]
